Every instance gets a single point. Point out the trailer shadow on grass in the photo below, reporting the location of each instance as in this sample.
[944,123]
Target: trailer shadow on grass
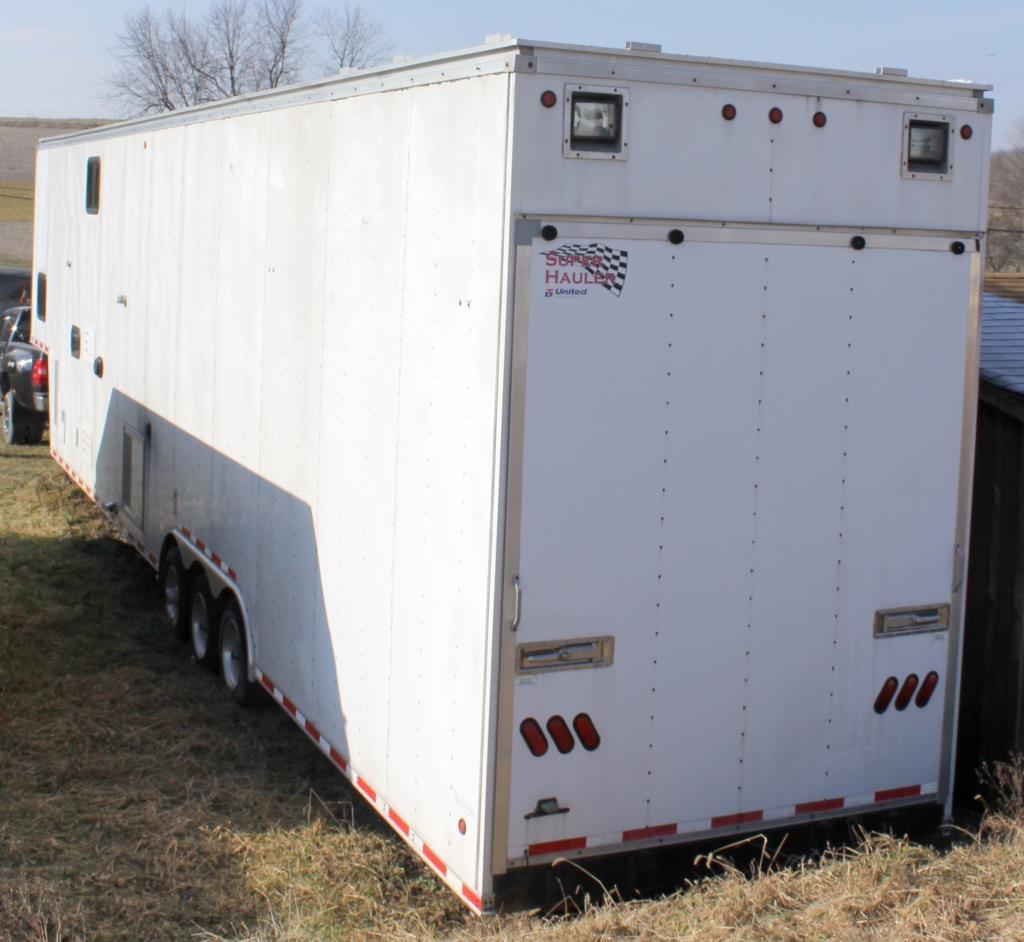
[137,800]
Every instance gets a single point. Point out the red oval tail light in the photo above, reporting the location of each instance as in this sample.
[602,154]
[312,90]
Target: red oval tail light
[906,692]
[534,736]
[928,685]
[886,694]
[559,731]
[587,732]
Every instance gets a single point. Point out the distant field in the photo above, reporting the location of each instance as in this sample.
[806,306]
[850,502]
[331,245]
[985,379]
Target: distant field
[18,140]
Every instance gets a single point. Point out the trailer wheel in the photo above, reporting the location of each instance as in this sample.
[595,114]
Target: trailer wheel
[174,592]
[234,655]
[201,622]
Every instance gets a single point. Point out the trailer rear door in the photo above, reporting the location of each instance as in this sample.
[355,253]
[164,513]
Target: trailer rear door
[726,455]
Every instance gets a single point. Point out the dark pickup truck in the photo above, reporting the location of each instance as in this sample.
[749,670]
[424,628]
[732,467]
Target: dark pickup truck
[24,380]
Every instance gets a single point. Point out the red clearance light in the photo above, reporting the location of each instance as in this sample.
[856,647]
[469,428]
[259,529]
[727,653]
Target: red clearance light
[820,119]
[885,695]
[536,741]
[966,132]
[928,685]
[559,731]
[40,374]
[587,732]
[906,692]
[775,116]
[548,99]
[728,112]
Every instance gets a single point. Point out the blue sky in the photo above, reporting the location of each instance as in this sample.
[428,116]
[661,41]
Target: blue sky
[56,52]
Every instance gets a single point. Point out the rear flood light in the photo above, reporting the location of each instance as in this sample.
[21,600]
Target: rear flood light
[928,685]
[906,692]
[561,735]
[886,694]
[40,374]
[586,731]
[534,736]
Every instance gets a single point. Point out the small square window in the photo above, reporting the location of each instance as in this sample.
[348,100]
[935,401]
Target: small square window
[76,343]
[92,186]
[41,296]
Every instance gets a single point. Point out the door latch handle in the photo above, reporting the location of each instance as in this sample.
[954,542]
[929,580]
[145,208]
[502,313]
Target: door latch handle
[517,602]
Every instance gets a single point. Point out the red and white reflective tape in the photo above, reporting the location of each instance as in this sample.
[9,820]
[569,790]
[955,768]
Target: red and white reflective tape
[665,832]
[38,344]
[209,554]
[397,822]
[136,544]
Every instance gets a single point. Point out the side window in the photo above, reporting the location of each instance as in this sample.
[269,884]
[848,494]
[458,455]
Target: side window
[41,296]
[92,185]
[6,327]
[22,331]
[76,343]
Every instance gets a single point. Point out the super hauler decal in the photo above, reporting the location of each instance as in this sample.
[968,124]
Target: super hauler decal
[571,270]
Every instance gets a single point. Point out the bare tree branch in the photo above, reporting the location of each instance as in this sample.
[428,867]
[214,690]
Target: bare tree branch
[1004,249]
[354,40]
[280,41]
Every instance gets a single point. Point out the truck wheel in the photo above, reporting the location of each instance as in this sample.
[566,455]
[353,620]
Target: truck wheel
[34,431]
[201,624]
[10,418]
[234,655]
[174,592]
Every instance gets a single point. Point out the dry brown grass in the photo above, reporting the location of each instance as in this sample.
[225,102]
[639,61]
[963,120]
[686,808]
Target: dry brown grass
[138,803]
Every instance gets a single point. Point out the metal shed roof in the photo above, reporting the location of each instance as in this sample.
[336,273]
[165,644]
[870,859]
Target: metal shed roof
[1002,342]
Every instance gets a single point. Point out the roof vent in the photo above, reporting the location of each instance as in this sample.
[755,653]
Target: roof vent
[497,39]
[891,70]
[633,46]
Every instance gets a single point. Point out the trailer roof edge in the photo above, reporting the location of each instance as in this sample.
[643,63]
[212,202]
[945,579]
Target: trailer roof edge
[500,53]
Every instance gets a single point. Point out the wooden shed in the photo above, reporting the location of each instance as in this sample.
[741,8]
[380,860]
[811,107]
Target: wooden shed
[992,692]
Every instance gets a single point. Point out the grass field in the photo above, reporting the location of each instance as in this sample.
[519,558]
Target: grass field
[138,803]
[16,202]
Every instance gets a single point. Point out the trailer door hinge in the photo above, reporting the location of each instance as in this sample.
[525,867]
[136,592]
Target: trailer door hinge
[958,567]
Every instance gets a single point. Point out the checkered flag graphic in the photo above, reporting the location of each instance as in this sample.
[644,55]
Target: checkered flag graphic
[601,259]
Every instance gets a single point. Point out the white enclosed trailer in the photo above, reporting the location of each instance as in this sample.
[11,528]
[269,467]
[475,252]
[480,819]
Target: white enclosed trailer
[581,438]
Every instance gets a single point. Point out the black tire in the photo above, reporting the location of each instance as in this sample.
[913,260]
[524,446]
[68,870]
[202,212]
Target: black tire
[234,655]
[34,431]
[202,622]
[10,418]
[174,594]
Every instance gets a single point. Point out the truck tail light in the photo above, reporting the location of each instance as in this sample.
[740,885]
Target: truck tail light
[560,733]
[906,692]
[534,736]
[928,685]
[587,732]
[885,695]
[40,374]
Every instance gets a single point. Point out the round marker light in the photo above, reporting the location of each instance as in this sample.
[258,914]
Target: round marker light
[462,825]
[559,731]
[775,116]
[906,692]
[928,685]
[534,736]
[966,132]
[820,119]
[548,99]
[728,112]
[885,695]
